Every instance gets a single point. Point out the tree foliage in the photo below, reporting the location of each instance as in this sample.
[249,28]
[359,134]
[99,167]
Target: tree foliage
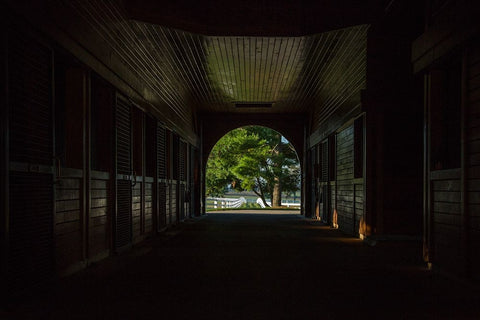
[254,159]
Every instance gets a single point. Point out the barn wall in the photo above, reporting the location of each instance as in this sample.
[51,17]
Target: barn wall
[69,220]
[349,191]
[100,215]
[450,42]
[473,157]
[345,187]
[337,194]
[62,183]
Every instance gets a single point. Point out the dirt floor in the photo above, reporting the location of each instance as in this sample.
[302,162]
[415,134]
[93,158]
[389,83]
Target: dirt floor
[256,266]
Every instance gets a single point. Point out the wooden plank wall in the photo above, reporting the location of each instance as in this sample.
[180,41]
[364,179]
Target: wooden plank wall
[68,221]
[137,210]
[62,221]
[345,187]
[171,196]
[148,206]
[473,157]
[162,220]
[446,218]
[456,234]
[358,206]
[100,217]
[342,194]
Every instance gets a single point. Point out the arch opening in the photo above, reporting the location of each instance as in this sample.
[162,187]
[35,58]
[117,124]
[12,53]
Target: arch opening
[253,167]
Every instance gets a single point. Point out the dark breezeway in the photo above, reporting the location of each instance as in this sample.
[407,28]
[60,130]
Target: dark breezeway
[109,109]
[257,265]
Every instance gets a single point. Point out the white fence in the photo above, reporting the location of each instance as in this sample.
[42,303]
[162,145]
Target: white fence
[227,202]
[284,204]
[221,203]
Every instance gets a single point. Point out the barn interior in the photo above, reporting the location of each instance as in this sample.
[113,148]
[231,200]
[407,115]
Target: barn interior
[111,108]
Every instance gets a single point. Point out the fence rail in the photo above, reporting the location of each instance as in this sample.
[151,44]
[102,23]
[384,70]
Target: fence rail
[227,202]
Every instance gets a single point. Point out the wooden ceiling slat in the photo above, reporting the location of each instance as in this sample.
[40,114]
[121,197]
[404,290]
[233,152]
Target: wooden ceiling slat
[99,17]
[264,92]
[313,86]
[166,65]
[310,66]
[194,63]
[130,40]
[200,51]
[189,72]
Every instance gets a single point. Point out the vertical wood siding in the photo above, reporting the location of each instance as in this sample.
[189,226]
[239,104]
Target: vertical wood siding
[31,256]
[137,211]
[99,232]
[162,206]
[348,192]
[68,223]
[148,206]
[446,223]
[358,202]
[344,190]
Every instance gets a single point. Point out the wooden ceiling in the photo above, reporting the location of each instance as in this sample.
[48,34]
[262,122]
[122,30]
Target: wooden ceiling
[191,73]
[293,73]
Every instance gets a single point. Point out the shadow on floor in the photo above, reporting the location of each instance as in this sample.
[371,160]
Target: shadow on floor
[256,266]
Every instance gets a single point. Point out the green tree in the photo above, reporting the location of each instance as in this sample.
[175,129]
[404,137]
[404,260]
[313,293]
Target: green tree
[256,159]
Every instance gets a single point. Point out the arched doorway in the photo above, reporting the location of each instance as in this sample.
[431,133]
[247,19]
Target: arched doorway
[253,167]
[215,126]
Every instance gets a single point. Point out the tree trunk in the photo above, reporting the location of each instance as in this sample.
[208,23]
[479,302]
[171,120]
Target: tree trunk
[264,201]
[261,194]
[277,193]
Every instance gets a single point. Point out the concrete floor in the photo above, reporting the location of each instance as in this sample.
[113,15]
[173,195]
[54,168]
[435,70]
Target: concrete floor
[256,266]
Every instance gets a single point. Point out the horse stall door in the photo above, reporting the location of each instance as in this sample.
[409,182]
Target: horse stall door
[175,195]
[123,214]
[161,178]
[138,213]
[181,179]
[101,173]
[31,192]
[150,197]
[324,179]
[69,218]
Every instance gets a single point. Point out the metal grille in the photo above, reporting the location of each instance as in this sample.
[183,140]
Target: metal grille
[31,260]
[182,162]
[123,221]
[192,181]
[30,80]
[161,157]
[176,156]
[324,161]
[124,137]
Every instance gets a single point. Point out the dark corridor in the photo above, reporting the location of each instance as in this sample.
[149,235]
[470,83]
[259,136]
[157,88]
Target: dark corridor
[108,111]
[258,266]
